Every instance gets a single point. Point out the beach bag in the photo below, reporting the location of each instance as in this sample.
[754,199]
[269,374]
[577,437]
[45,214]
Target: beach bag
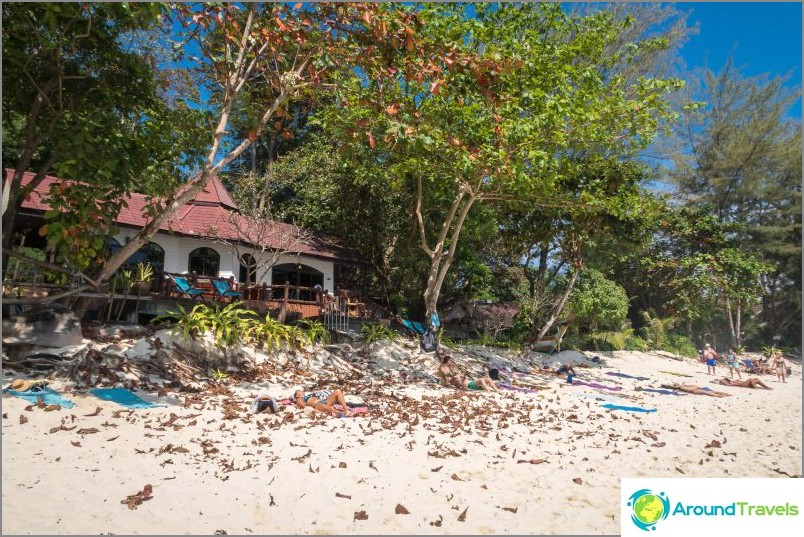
[429,341]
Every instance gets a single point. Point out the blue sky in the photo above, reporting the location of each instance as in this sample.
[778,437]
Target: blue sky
[764,37]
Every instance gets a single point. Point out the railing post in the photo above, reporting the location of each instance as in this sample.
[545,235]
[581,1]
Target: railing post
[283,306]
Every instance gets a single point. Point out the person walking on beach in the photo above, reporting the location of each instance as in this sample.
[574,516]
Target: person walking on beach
[779,366]
[711,359]
[734,364]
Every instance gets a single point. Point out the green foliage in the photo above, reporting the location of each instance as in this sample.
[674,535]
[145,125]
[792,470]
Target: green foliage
[447,342]
[617,340]
[635,343]
[271,333]
[372,332]
[598,301]
[680,344]
[315,331]
[655,330]
[219,375]
[770,351]
[229,324]
[144,271]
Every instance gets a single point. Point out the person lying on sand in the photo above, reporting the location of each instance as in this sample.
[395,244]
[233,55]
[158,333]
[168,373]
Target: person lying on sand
[747,383]
[690,388]
[264,403]
[450,376]
[561,369]
[322,400]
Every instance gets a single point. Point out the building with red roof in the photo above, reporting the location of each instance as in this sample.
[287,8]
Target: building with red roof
[210,236]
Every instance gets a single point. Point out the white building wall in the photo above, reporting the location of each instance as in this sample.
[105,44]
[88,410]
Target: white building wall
[177,256]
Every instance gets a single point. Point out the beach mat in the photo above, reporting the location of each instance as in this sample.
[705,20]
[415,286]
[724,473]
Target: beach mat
[663,392]
[623,375]
[629,408]
[49,397]
[518,389]
[595,385]
[123,397]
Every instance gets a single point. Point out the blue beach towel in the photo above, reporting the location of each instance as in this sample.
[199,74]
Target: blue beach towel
[631,408]
[623,375]
[49,397]
[663,392]
[123,397]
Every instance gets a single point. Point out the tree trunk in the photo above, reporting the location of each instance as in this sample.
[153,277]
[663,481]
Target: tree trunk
[560,306]
[739,322]
[733,339]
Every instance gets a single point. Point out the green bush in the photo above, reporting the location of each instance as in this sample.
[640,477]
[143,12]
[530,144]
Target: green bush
[377,332]
[681,345]
[229,324]
[635,343]
[315,331]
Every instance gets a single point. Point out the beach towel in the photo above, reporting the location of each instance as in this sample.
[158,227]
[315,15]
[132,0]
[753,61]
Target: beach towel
[49,397]
[123,397]
[355,410]
[631,408]
[613,398]
[623,375]
[676,374]
[595,385]
[518,389]
[663,392]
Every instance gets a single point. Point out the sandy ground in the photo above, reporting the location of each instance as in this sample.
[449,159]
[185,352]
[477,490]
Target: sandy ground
[433,461]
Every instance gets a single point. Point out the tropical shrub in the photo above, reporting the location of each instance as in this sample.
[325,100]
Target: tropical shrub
[229,324]
[315,331]
[597,301]
[681,345]
[655,330]
[269,333]
[377,332]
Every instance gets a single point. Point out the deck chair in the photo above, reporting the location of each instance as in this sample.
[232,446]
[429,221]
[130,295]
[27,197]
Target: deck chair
[751,367]
[183,287]
[550,344]
[223,291]
[416,329]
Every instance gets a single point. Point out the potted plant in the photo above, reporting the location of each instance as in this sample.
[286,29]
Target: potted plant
[145,273]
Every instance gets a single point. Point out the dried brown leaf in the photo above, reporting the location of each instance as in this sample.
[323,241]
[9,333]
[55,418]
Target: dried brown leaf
[23,419]
[97,411]
[339,495]
[462,516]
[76,444]
[361,515]
[90,430]
[401,510]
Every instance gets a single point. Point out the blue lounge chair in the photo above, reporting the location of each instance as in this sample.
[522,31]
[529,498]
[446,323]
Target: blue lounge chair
[223,290]
[183,287]
[415,328]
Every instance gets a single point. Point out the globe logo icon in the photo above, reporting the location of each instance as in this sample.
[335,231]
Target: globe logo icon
[648,508]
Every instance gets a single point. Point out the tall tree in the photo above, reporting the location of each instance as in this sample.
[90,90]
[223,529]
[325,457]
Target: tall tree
[486,107]
[740,153]
[72,94]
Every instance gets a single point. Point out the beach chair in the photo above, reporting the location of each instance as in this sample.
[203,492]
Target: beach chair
[550,344]
[223,290]
[183,287]
[415,329]
[753,368]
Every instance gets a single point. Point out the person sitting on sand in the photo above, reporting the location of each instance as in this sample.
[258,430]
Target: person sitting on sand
[697,390]
[322,400]
[747,383]
[558,368]
[450,376]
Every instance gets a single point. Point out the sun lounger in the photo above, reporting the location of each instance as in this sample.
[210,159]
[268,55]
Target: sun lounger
[183,287]
[416,329]
[223,290]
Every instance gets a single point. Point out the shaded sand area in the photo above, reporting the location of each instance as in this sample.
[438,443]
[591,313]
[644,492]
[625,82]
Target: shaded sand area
[423,460]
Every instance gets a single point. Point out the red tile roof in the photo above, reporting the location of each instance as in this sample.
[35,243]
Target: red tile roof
[213,207]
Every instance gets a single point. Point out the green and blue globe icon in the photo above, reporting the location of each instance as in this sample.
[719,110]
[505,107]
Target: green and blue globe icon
[648,508]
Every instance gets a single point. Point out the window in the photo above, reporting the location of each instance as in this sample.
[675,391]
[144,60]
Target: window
[150,253]
[204,262]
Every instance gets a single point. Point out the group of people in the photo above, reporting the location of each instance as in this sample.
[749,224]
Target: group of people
[321,400]
[711,357]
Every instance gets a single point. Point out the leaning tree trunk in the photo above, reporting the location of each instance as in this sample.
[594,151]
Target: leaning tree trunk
[559,306]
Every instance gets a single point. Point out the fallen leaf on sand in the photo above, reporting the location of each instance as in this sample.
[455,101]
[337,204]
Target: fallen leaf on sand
[437,523]
[76,444]
[713,443]
[577,480]
[531,461]
[339,495]
[29,408]
[50,408]
[23,419]
[136,499]
[90,430]
[112,438]
[455,477]
[361,515]
[400,510]
[510,509]
[40,402]
[97,411]
[462,516]
[437,469]
[341,465]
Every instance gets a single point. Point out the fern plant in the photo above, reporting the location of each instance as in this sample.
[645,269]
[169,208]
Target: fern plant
[655,330]
[377,332]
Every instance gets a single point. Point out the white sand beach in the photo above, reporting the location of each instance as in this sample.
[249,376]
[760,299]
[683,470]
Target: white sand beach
[423,460]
